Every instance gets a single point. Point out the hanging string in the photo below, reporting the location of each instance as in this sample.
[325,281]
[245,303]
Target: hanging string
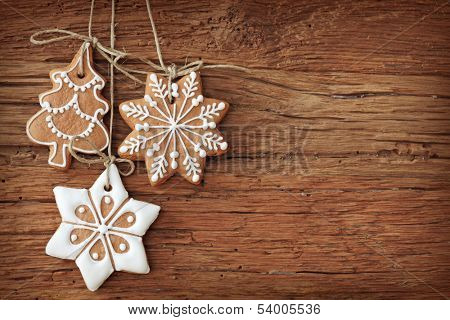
[113,55]
[106,159]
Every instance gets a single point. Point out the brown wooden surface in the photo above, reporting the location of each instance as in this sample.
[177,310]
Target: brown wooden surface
[337,182]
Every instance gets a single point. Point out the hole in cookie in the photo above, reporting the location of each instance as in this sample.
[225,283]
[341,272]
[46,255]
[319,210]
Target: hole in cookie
[80,75]
[108,188]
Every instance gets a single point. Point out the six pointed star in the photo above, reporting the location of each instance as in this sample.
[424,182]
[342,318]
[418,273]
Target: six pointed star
[101,230]
[173,136]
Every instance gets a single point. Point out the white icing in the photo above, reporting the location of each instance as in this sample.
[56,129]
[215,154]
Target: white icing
[81,210]
[61,134]
[131,258]
[94,272]
[57,78]
[103,229]
[176,130]
[107,200]
[61,246]
[135,259]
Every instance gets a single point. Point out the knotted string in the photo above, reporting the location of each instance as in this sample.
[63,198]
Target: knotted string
[113,55]
[103,157]
[106,159]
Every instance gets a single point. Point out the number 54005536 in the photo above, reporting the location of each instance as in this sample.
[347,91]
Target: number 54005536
[292,308]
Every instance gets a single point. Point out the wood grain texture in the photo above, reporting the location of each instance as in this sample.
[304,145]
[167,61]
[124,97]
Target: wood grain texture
[338,179]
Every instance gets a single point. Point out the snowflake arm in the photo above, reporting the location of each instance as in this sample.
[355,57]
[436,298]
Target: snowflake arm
[103,229]
[182,136]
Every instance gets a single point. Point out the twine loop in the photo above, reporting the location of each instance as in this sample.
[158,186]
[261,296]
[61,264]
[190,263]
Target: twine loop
[106,160]
[113,56]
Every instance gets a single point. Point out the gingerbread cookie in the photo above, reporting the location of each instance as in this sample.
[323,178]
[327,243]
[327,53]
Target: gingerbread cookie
[74,107]
[101,230]
[173,136]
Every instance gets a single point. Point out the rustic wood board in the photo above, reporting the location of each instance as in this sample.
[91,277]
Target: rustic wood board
[337,182]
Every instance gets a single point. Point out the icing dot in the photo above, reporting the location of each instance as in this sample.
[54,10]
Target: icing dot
[174,154]
[125,108]
[149,152]
[221,106]
[49,125]
[174,87]
[223,145]
[48,118]
[195,178]
[130,219]
[95,256]
[153,77]
[53,130]
[193,75]
[200,98]
[156,147]
[194,102]
[212,125]
[122,247]
[73,237]
[59,134]
[202,153]
[204,126]
[138,127]
[146,127]
[155,177]
[81,210]
[174,164]
[107,200]
[123,149]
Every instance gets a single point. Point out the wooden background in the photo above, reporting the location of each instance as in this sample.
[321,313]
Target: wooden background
[337,182]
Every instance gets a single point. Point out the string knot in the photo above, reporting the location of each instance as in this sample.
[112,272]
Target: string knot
[94,41]
[109,160]
[172,71]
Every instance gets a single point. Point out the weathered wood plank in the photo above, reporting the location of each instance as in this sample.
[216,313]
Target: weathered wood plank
[337,181]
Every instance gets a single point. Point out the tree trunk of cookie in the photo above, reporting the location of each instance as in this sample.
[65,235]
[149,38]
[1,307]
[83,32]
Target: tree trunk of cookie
[59,156]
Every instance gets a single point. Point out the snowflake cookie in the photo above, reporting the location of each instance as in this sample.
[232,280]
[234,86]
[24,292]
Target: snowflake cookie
[101,230]
[73,107]
[173,136]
